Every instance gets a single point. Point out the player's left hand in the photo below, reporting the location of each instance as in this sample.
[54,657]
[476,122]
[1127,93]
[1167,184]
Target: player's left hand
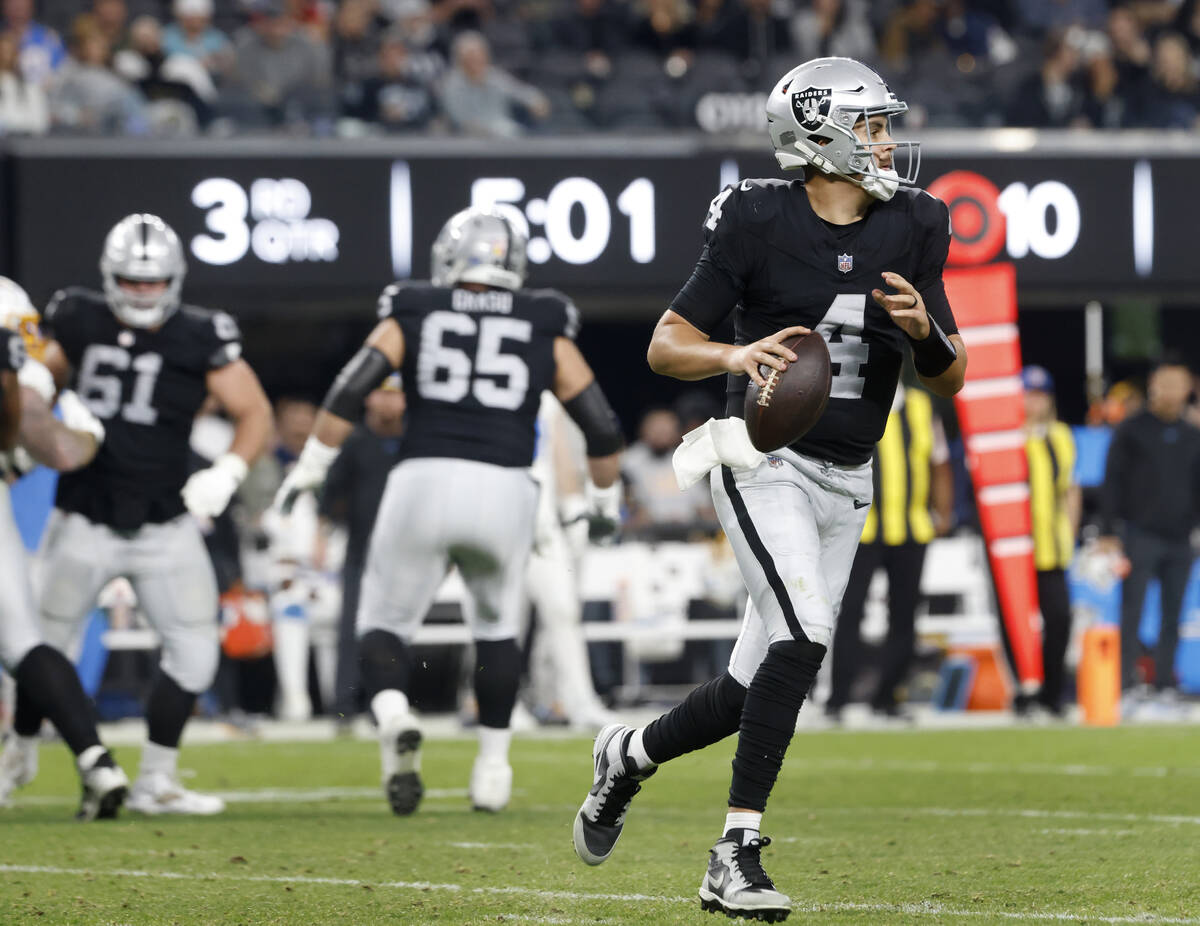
[603,513]
[905,306]
[207,493]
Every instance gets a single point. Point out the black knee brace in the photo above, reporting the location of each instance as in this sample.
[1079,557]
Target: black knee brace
[769,719]
[497,676]
[706,716]
[384,661]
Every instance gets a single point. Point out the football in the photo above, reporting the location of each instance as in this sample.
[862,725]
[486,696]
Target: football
[790,403]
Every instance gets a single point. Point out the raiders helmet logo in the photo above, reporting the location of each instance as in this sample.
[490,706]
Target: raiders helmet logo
[810,106]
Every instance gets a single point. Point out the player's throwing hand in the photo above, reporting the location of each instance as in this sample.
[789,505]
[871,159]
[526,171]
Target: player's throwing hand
[906,306]
[769,351]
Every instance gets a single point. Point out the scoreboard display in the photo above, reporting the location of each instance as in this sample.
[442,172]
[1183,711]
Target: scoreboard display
[307,218]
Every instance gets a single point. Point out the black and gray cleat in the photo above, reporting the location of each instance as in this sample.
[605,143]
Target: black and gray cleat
[736,885]
[617,779]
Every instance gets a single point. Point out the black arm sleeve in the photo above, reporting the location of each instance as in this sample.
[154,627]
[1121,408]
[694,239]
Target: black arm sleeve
[935,354]
[366,370]
[595,417]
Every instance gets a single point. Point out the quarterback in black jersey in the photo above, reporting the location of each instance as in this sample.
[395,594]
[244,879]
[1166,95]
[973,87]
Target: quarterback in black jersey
[143,363]
[476,352]
[853,252]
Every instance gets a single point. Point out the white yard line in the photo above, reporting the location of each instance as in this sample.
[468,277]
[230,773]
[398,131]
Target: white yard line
[923,908]
[496,845]
[276,796]
[1086,832]
[926,908]
[1030,813]
[992,768]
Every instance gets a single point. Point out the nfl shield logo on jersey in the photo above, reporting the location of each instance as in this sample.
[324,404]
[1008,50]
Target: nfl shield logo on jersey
[845,263]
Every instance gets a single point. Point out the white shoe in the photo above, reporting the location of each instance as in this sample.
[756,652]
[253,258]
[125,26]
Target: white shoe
[105,788]
[491,784]
[160,793]
[400,759]
[18,764]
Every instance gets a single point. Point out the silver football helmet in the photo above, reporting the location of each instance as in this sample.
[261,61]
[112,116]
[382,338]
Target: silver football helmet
[479,246]
[811,115]
[143,248]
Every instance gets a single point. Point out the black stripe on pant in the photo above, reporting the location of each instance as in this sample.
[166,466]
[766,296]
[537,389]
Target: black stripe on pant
[762,555]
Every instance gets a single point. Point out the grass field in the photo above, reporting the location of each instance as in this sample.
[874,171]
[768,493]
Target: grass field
[1040,824]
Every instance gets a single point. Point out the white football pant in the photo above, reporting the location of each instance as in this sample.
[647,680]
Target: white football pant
[169,569]
[440,512]
[794,524]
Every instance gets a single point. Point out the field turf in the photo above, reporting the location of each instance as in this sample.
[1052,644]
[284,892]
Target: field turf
[980,826]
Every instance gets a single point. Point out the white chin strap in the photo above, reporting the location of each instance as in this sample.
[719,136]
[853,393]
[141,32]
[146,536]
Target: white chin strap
[882,184]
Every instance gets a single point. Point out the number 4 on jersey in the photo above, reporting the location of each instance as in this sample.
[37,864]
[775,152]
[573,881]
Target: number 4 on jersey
[844,320]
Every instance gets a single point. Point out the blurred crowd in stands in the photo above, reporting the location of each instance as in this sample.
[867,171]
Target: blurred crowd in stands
[512,67]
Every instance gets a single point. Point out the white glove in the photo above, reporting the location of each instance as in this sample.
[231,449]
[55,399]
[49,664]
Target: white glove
[307,475]
[37,376]
[714,443]
[78,417]
[207,493]
[603,511]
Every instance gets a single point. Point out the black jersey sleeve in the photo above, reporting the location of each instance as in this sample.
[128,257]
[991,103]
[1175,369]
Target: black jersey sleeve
[557,313]
[12,350]
[726,264]
[403,299]
[933,217]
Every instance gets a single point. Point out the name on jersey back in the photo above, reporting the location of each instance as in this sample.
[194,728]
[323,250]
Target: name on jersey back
[496,301]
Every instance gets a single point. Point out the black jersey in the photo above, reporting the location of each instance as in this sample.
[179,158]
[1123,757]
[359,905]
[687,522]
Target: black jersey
[146,387]
[774,262]
[12,350]
[475,366]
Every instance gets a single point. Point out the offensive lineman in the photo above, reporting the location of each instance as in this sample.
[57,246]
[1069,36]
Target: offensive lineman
[143,363]
[475,351]
[786,258]
[44,672]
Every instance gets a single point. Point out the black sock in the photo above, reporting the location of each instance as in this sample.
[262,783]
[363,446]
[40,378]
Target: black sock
[384,662]
[49,687]
[497,676]
[28,716]
[706,716]
[769,719]
[168,708]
